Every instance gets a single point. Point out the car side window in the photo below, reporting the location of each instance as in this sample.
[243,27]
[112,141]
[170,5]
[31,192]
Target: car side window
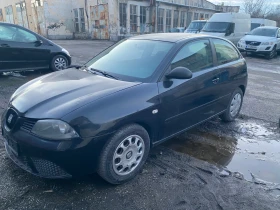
[225,51]
[195,56]
[278,35]
[13,34]
[6,33]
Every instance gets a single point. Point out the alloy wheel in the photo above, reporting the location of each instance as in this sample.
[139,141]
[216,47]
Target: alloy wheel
[60,63]
[128,155]
[235,104]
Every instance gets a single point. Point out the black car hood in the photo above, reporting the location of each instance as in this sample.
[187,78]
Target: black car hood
[57,94]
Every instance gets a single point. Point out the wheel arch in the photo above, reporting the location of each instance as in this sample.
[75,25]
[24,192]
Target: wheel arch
[242,87]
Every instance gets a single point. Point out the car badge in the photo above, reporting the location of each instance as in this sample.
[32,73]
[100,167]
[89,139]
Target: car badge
[10,118]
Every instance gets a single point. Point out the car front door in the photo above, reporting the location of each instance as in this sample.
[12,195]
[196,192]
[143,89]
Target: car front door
[231,68]
[21,49]
[184,103]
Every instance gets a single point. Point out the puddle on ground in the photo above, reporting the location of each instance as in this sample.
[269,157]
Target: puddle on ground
[245,147]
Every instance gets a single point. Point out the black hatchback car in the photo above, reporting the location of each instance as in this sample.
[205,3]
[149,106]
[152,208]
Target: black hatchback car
[107,115]
[22,49]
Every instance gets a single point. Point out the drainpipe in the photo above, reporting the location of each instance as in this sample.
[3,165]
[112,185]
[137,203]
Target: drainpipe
[86,9]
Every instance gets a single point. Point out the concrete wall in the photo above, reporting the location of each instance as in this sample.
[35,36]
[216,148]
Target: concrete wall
[59,19]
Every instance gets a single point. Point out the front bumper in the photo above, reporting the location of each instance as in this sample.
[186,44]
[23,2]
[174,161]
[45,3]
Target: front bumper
[261,49]
[51,159]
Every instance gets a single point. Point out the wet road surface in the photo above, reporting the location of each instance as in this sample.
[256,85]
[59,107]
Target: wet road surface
[174,176]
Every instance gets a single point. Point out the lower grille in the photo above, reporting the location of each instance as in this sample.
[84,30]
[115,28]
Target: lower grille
[38,167]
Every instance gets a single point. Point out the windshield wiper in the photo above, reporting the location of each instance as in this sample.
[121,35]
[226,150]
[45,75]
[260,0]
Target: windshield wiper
[104,73]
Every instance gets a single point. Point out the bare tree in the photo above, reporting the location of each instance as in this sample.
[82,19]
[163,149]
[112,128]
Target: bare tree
[257,8]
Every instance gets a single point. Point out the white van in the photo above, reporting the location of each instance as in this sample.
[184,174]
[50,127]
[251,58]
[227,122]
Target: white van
[232,26]
[257,22]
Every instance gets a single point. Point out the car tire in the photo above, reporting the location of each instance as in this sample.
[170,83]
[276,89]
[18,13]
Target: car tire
[234,106]
[59,62]
[272,54]
[124,155]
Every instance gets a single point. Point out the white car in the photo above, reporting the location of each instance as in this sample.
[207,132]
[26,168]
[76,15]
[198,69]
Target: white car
[262,40]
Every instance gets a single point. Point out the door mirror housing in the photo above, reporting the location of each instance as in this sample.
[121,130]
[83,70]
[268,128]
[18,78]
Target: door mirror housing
[38,42]
[246,33]
[179,73]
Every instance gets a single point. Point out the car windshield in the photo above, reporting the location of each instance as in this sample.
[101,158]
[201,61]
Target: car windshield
[219,27]
[196,25]
[255,25]
[270,32]
[131,60]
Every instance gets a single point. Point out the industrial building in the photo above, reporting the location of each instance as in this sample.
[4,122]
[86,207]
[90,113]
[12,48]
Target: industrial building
[105,19]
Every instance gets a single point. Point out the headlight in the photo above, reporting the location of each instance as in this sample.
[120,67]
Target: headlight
[54,129]
[267,43]
[66,52]
[242,42]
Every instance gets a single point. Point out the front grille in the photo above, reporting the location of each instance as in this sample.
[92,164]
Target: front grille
[27,125]
[252,43]
[11,118]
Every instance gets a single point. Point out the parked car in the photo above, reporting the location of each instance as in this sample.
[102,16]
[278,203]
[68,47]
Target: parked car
[22,49]
[177,30]
[107,115]
[262,40]
[196,26]
[258,22]
[232,26]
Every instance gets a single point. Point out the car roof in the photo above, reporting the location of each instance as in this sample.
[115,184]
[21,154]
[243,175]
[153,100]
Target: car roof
[167,37]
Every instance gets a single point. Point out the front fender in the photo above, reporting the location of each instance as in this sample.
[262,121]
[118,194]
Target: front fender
[105,116]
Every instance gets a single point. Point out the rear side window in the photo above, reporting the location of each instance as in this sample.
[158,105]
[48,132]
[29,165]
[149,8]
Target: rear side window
[195,56]
[225,51]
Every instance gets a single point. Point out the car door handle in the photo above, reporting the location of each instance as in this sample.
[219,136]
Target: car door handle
[5,45]
[216,80]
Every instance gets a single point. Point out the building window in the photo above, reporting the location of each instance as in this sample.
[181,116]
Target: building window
[82,19]
[1,15]
[201,16]
[183,17]
[36,3]
[76,14]
[168,20]
[160,20]
[79,20]
[206,16]
[122,12]
[143,18]
[195,16]
[175,18]
[133,18]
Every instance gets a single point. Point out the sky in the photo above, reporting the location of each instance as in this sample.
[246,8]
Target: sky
[239,2]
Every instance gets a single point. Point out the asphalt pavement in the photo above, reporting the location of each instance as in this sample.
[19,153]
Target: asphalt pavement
[214,166]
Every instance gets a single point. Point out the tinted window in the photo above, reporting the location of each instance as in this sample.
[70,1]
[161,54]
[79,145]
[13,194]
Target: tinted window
[255,25]
[132,59]
[261,31]
[9,33]
[195,56]
[225,51]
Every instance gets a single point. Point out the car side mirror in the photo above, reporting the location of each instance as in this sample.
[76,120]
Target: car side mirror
[38,42]
[179,73]
[246,33]
[228,32]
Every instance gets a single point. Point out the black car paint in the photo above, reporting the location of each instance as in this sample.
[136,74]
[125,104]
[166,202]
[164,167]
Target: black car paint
[181,104]
[17,56]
